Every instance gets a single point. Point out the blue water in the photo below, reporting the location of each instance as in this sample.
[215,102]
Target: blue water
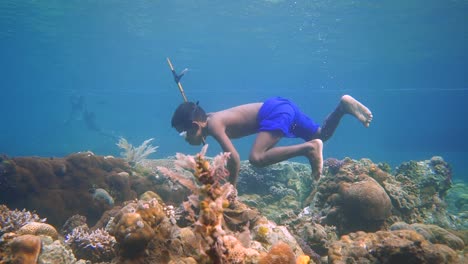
[406,60]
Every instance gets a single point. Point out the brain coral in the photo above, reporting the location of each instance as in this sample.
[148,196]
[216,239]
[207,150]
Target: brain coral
[35,228]
[359,205]
[367,199]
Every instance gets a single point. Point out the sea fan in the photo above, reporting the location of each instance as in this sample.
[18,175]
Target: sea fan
[219,171]
[135,155]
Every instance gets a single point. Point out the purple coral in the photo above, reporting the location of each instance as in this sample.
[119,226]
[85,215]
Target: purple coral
[333,165]
[12,220]
[96,246]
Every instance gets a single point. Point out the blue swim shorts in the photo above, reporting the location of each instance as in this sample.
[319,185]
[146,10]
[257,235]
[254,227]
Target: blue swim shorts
[278,113]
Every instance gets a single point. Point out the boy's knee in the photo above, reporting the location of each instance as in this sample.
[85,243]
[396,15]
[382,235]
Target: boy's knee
[256,160]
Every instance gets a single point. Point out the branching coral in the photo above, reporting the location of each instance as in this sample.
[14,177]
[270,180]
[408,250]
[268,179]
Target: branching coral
[210,198]
[95,246]
[135,155]
[12,220]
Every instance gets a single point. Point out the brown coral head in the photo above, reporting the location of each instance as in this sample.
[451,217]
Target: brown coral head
[132,233]
[25,249]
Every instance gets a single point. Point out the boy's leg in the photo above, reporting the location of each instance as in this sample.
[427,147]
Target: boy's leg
[265,153]
[347,105]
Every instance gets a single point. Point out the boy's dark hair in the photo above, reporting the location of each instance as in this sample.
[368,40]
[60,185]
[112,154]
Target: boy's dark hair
[185,114]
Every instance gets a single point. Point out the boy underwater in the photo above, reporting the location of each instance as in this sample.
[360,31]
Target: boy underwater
[272,120]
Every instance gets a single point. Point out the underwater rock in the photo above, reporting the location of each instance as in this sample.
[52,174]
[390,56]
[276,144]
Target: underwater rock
[315,236]
[281,179]
[25,249]
[402,246]
[277,191]
[55,251]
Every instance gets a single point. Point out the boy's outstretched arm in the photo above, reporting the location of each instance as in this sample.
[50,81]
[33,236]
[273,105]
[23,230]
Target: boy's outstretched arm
[233,164]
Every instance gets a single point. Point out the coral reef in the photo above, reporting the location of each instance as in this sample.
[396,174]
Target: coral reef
[188,213]
[12,220]
[402,246]
[58,188]
[434,234]
[352,201]
[28,241]
[212,199]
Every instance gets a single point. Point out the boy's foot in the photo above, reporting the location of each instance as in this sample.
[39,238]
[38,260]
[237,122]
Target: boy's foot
[355,108]
[315,158]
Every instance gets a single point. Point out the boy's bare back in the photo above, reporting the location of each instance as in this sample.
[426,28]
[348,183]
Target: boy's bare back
[235,122]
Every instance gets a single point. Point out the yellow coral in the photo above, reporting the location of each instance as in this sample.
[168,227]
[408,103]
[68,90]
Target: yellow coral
[303,259]
[37,229]
[262,231]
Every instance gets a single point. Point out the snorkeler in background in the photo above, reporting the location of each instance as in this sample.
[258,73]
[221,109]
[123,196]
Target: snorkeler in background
[79,111]
[78,106]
